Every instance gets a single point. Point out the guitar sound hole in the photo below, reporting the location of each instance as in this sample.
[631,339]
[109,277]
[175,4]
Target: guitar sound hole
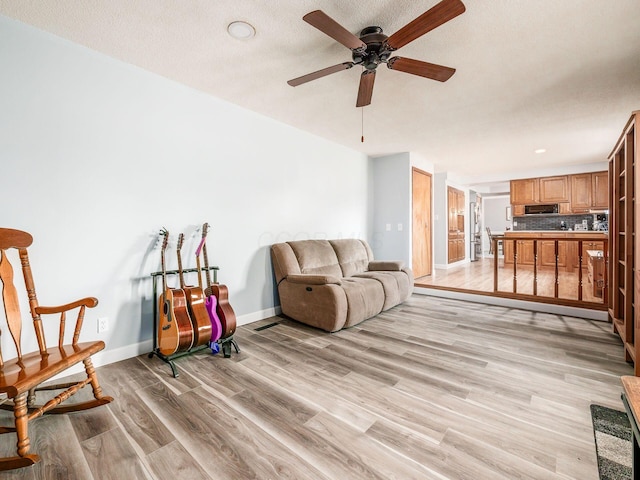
[165,309]
[309,289]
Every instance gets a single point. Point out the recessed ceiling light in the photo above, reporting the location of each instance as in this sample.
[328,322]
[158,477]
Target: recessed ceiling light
[241,30]
[540,150]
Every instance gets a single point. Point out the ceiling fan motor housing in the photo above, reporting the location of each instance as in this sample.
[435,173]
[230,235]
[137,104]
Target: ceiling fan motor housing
[376,51]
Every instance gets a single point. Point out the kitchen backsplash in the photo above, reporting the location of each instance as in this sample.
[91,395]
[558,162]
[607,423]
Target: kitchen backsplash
[550,222]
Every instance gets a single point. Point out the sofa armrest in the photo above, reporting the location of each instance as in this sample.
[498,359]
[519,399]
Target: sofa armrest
[391,266]
[314,279]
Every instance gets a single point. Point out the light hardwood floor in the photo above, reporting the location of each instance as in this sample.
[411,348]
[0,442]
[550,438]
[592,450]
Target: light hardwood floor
[478,277]
[431,389]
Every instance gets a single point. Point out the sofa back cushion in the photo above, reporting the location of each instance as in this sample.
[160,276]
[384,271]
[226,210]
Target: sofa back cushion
[316,257]
[353,255]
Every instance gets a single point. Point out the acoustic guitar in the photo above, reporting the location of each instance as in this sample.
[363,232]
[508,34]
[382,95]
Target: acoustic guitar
[175,331]
[223,309]
[211,302]
[195,304]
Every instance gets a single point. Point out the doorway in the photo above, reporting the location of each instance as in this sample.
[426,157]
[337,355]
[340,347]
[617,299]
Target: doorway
[422,254]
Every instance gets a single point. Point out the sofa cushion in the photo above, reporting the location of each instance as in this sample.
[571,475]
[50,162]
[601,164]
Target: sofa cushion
[396,286]
[365,298]
[316,257]
[353,255]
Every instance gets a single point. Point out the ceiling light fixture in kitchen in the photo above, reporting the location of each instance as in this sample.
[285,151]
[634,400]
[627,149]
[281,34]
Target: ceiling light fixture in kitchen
[540,150]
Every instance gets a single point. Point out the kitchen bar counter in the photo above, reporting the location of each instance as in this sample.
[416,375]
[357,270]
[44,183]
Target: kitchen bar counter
[567,254]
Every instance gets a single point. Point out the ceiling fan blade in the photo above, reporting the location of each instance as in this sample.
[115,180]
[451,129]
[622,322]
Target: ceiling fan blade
[320,73]
[366,88]
[432,18]
[329,26]
[422,69]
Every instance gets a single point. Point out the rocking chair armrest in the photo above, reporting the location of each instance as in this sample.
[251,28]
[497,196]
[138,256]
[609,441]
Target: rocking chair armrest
[87,302]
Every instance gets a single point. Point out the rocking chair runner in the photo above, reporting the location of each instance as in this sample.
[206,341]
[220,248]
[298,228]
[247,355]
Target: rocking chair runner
[21,377]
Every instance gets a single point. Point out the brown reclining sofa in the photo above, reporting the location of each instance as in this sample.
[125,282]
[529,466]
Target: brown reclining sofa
[334,284]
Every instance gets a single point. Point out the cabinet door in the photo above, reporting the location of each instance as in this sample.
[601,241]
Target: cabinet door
[507,246]
[581,193]
[524,192]
[517,210]
[547,253]
[600,190]
[554,189]
[564,208]
[525,252]
[452,251]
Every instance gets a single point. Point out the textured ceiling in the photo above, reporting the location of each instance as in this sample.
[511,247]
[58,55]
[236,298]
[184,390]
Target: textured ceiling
[560,75]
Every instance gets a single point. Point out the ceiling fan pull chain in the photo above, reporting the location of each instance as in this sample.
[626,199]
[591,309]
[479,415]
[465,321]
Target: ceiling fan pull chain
[362,125]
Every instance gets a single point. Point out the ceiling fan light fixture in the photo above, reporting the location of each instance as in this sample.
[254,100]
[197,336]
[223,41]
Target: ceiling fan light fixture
[241,30]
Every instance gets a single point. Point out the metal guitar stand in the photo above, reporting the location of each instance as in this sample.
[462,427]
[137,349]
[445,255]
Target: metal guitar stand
[225,343]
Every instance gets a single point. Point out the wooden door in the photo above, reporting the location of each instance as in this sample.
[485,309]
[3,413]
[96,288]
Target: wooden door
[421,223]
[456,220]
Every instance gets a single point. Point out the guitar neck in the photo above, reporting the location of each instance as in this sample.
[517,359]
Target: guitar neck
[199,272]
[206,265]
[164,267]
[178,251]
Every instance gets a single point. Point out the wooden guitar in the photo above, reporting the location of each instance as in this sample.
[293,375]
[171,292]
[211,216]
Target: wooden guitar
[211,301]
[223,309]
[175,332]
[195,305]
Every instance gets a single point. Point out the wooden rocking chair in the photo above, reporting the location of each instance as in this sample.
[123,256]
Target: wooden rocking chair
[21,376]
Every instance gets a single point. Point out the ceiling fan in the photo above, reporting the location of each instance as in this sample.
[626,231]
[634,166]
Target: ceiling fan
[374,47]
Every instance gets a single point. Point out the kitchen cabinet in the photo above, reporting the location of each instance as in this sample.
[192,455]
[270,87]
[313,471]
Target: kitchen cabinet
[600,190]
[567,250]
[525,191]
[553,189]
[589,191]
[573,193]
[547,253]
[524,249]
[455,221]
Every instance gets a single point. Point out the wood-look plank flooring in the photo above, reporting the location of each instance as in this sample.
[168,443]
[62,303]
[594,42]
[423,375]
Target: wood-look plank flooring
[432,389]
[478,277]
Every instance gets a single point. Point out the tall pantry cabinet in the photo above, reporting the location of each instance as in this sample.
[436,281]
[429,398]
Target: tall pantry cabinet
[624,217]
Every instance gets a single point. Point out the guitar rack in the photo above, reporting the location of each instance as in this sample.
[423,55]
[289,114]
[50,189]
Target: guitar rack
[223,344]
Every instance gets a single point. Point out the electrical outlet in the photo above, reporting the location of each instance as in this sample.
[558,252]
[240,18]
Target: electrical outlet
[103,324]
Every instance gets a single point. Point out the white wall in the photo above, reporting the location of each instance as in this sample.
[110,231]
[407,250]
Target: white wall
[494,213]
[392,208]
[96,156]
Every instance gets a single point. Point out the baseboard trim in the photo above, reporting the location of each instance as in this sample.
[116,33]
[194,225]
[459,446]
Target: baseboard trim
[105,357]
[259,315]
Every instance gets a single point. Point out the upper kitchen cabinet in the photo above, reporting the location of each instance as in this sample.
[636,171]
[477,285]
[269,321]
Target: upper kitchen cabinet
[579,193]
[525,192]
[554,189]
[600,189]
[589,191]
[530,191]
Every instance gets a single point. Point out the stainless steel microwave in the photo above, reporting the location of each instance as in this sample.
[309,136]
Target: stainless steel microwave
[541,209]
